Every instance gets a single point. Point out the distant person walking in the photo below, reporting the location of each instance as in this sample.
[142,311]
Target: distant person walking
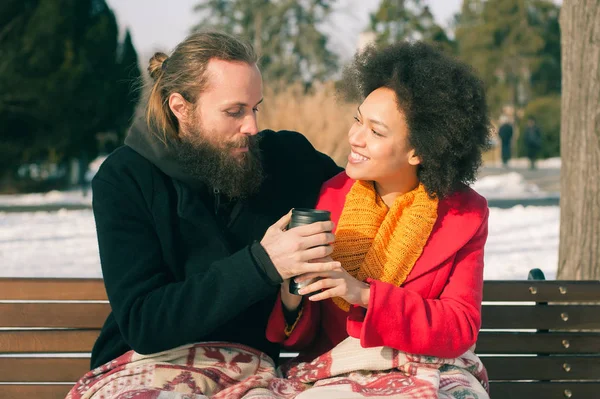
[506,133]
[533,140]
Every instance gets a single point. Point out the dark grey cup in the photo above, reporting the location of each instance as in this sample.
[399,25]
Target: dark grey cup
[300,217]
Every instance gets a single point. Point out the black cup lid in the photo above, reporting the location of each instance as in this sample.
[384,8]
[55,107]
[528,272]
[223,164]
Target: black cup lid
[306,215]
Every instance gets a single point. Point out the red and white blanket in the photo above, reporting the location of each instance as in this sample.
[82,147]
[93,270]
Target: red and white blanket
[225,370]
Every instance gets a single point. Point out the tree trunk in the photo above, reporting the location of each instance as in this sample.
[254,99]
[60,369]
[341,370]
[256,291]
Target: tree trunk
[579,252]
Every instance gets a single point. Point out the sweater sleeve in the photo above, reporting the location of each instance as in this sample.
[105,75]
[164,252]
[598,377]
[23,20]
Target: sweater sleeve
[155,312]
[444,327]
[304,331]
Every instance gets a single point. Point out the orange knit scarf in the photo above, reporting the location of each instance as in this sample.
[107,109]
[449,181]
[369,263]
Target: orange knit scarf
[372,241]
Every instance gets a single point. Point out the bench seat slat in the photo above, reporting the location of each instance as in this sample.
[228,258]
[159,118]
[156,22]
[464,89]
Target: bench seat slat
[42,369]
[543,291]
[542,367]
[545,390]
[75,289]
[50,341]
[20,391]
[56,315]
[543,317]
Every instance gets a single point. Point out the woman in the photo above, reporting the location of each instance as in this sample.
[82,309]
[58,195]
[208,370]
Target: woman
[410,232]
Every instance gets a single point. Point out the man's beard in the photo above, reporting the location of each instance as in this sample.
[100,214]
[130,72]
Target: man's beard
[236,176]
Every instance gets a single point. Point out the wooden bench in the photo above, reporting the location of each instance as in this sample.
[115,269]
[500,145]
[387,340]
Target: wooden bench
[48,327]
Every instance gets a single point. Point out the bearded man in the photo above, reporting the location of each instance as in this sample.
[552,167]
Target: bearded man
[191,212]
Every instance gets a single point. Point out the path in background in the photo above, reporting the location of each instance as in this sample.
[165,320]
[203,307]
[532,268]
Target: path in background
[547,179]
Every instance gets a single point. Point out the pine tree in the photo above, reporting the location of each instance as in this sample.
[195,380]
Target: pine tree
[127,90]
[284,33]
[398,20]
[503,40]
[58,79]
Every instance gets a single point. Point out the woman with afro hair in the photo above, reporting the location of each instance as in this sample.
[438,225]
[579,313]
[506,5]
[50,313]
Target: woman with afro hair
[410,235]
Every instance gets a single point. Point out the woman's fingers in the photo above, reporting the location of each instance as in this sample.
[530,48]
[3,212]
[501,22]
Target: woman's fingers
[322,284]
[330,293]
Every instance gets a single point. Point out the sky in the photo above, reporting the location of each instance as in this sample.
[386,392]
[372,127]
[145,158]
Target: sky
[158,25]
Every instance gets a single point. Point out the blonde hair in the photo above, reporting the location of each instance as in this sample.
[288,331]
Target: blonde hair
[184,73]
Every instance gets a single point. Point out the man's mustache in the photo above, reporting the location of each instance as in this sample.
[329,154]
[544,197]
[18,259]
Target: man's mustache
[248,141]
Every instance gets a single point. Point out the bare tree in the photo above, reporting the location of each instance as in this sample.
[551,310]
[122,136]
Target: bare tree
[579,252]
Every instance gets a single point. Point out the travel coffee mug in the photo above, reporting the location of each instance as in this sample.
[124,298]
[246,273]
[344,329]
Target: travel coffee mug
[300,217]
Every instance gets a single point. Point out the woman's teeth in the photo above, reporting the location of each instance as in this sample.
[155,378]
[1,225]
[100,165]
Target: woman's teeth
[358,157]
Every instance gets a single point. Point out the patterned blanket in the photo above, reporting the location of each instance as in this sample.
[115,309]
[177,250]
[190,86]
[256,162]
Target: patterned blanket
[225,370]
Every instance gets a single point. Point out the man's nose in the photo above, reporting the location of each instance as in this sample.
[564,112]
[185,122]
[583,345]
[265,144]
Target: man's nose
[250,125]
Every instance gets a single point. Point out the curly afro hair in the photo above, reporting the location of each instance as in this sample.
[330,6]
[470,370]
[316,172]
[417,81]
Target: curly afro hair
[443,102]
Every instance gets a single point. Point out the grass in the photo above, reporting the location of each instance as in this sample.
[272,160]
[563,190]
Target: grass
[318,115]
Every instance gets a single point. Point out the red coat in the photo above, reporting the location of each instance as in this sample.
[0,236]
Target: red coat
[436,311]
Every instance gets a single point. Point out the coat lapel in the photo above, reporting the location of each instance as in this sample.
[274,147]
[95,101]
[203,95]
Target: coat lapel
[459,218]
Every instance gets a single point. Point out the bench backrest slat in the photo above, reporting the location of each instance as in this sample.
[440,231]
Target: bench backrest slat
[543,368]
[543,317]
[494,290]
[20,391]
[538,343]
[47,341]
[52,289]
[545,390]
[74,315]
[541,291]
[42,369]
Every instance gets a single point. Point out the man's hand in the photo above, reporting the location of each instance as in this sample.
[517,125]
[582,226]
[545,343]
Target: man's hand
[293,250]
[336,283]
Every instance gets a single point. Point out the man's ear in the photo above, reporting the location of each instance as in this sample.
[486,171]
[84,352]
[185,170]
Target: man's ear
[413,158]
[179,106]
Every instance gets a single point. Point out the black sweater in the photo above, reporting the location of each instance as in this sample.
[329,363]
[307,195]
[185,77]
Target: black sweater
[176,272]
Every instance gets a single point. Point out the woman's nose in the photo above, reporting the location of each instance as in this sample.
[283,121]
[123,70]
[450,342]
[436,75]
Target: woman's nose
[356,136]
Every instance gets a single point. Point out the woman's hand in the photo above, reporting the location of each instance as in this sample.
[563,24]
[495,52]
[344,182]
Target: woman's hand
[336,283]
[290,301]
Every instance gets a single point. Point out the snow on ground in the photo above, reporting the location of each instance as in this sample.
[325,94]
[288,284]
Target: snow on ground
[509,185]
[48,244]
[63,243]
[520,239]
[49,198]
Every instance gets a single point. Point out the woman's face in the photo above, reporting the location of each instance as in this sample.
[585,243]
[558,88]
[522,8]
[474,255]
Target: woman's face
[378,139]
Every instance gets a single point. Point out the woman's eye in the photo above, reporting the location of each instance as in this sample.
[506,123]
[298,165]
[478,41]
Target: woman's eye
[356,119]
[255,109]
[377,134]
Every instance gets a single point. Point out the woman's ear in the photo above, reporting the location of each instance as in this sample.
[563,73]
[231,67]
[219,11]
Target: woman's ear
[413,158]
[179,106]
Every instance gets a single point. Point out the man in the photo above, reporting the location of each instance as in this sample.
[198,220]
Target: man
[533,141]
[189,212]
[505,132]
